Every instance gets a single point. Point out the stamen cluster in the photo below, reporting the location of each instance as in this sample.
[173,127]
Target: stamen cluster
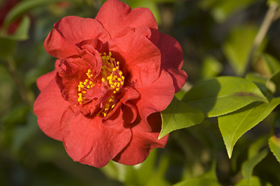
[111,77]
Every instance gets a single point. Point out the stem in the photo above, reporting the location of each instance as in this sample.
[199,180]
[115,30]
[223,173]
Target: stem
[268,19]
[9,64]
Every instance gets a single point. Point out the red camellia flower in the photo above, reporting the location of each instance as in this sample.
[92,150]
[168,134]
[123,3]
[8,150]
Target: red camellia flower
[113,76]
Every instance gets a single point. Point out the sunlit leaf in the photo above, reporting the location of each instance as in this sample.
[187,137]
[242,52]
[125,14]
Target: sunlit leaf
[234,125]
[263,83]
[274,144]
[238,46]
[179,115]
[223,95]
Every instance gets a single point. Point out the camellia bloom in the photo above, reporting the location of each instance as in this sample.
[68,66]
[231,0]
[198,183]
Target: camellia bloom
[113,76]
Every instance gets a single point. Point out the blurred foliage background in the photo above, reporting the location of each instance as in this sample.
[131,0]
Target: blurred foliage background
[218,38]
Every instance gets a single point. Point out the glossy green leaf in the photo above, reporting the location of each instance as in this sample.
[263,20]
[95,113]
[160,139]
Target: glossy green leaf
[254,157]
[222,95]
[234,125]
[253,181]
[274,144]
[179,115]
[263,84]
[238,46]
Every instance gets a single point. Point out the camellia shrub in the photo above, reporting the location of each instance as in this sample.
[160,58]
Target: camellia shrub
[158,92]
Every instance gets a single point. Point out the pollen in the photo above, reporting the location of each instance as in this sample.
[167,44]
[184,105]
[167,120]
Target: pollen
[111,77]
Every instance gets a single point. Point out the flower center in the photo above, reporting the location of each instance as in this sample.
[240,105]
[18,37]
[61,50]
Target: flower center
[104,88]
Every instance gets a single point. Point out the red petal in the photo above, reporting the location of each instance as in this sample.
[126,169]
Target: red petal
[69,31]
[123,17]
[89,50]
[49,108]
[154,98]
[70,73]
[172,60]
[142,58]
[44,80]
[140,146]
[91,142]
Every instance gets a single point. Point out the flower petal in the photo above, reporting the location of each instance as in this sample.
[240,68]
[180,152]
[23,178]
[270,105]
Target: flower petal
[69,31]
[44,80]
[154,98]
[142,58]
[125,17]
[172,60]
[49,107]
[140,146]
[91,142]
[70,73]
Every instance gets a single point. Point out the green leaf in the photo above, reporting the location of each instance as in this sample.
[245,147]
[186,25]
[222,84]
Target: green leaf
[263,84]
[274,145]
[274,141]
[275,78]
[253,181]
[23,7]
[234,125]
[222,95]
[272,65]
[254,157]
[238,46]
[248,166]
[210,67]
[209,177]
[22,31]
[198,182]
[179,115]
